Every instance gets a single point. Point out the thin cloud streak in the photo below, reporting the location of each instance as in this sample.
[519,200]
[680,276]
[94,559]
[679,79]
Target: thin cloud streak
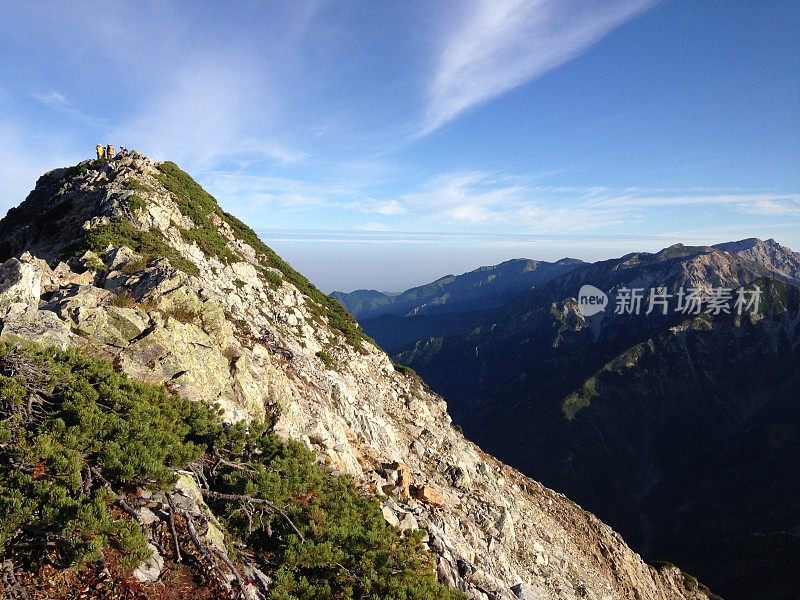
[53,99]
[58,102]
[500,201]
[501,44]
[743,200]
[380,236]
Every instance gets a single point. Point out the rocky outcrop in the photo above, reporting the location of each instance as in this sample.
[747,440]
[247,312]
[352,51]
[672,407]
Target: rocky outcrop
[243,336]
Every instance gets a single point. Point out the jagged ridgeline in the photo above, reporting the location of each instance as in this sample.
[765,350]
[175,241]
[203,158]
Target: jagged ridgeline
[131,263]
[96,478]
[50,224]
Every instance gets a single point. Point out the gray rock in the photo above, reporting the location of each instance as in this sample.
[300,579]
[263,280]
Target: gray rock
[20,283]
[257,582]
[42,326]
[408,522]
[147,516]
[150,570]
[119,257]
[390,516]
[525,591]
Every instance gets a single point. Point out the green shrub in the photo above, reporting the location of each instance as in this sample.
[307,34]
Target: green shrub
[95,418]
[123,300]
[347,549]
[134,202]
[273,279]
[197,204]
[403,369]
[137,186]
[184,313]
[121,232]
[210,242]
[331,542]
[95,263]
[134,266]
[325,358]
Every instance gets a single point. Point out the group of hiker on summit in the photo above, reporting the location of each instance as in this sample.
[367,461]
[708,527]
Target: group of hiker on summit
[110,152]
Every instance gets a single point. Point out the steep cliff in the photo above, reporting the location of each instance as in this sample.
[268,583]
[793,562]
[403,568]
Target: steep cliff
[133,262]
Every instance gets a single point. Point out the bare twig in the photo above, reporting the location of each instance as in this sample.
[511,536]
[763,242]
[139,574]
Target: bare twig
[119,498]
[232,465]
[250,500]
[212,552]
[173,530]
[198,473]
[233,569]
[88,480]
[196,538]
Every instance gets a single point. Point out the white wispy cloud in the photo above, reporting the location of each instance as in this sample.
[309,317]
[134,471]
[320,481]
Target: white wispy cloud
[499,200]
[773,206]
[469,196]
[488,198]
[204,114]
[255,191]
[52,99]
[59,102]
[387,208]
[759,203]
[499,44]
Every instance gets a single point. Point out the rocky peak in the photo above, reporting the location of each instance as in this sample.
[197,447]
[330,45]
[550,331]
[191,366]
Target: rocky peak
[68,202]
[132,261]
[781,260]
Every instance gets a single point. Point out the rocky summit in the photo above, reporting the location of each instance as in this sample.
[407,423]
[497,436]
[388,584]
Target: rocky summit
[131,261]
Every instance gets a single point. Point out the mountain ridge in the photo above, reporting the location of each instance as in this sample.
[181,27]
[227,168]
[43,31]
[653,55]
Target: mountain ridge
[480,288]
[592,406]
[159,281]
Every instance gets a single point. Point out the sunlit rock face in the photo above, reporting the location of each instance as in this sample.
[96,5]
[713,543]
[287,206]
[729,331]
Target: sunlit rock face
[118,260]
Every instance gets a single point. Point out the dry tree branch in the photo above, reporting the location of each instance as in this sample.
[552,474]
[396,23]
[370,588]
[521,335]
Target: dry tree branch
[211,553]
[233,569]
[171,520]
[119,498]
[250,500]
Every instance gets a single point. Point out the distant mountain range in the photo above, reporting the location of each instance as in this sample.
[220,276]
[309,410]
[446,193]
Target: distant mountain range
[681,430]
[486,287]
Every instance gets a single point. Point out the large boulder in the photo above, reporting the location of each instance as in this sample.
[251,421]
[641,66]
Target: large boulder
[26,322]
[20,282]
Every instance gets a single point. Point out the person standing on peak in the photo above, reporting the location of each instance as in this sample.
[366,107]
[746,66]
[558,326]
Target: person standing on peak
[100,151]
[110,152]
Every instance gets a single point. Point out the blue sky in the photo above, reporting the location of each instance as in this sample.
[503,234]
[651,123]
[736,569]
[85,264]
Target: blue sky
[381,145]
